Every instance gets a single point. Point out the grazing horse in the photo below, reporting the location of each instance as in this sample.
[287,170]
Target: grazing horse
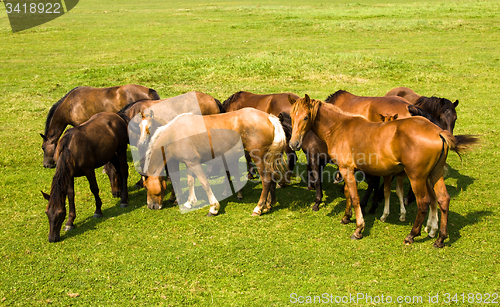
[79,104]
[442,109]
[199,140]
[412,145]
[101,139]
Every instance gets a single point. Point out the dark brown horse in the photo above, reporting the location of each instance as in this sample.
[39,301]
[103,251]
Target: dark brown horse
[442,109]
[413,145]
[199,140]
[101,139]
[79,104]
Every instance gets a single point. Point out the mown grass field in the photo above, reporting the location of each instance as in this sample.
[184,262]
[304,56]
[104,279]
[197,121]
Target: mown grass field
[135,256]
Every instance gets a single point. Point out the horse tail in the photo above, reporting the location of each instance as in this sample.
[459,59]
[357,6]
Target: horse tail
[53,110]
[154,94]
[274,158]
[458,143]
[221,108]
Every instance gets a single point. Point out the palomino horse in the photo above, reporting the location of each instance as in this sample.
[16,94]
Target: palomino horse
[79,104]
[199,140]
[413,145]
[442,109]
[101,139]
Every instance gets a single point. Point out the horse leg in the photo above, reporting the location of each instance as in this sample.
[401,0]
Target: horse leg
[432,220]
[192,200]
[250,168]
[364,201]
[237,180]
[271,198]
[316,174]
[387,195]
[122,158]
[352,194]
[419,187]
[399,192]
[200,174]
[71,201]
[443,199]
[90,174]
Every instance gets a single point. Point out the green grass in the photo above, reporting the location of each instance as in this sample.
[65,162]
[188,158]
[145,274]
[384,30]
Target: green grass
[135,256]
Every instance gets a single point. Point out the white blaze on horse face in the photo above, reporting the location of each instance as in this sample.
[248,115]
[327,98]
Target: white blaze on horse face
[144,126]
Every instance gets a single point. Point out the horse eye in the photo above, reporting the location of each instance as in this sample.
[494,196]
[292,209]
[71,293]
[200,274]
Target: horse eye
[306,118]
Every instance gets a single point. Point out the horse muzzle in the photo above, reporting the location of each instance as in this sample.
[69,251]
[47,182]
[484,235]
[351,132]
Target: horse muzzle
[295,145]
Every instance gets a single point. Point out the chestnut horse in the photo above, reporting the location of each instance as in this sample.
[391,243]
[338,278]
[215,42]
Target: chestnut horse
[79,104]
[442,109]
[261,134]
[413,145]
[101,139]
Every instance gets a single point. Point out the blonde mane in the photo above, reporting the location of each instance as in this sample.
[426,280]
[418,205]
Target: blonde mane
[314,105]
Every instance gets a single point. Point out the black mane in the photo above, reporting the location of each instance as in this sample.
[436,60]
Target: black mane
[53,110]
[286,123]
[331,99]
[221,107]
[435,105]
[230,100]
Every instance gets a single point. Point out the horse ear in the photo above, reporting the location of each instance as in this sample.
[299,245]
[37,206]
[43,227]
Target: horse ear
[395,116]
[43,137]
[291,100]
[382,117]
[455,103]
[308,100]
[45,195]
[151,114]
[280,117]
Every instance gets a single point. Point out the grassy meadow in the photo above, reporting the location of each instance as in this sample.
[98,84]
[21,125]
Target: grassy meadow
[135,256]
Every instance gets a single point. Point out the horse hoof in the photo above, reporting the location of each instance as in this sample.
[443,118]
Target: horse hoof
[239,197]
[117,194]
[123,205]
[438,244]
[402,218]
[250,176]
[211,214]
[255,214]
[311,188]
[408,240]
[315,207]
[383,218]
[356,237]
[67,227]
[345,220]
[97,215]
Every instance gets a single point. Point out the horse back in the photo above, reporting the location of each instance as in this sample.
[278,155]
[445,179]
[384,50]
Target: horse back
[404,92]
[96,141]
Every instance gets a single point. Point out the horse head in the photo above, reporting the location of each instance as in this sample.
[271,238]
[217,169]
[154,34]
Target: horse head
[303,112]
[49,148]
[156,187]
[388,118]
[56,212]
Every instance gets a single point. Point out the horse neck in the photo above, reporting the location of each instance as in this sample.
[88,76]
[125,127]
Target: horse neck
[325,122]
[57,124]
[62,177]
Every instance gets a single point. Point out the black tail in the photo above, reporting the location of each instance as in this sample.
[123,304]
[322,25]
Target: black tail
[154,94]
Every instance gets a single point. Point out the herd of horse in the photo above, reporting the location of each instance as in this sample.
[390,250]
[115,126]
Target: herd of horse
[399,135]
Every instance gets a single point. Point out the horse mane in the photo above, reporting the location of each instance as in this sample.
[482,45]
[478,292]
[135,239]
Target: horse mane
[53,110]
[154,139]
[230,100]
[416,111]
[333,97]
[64,171]
[434,105]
